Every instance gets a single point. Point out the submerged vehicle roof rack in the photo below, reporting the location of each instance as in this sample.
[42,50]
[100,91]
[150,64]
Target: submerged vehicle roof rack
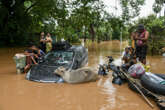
[62,45]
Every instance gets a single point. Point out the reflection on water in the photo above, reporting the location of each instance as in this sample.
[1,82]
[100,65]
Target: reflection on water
[110,90]
[101,60]
[16,93]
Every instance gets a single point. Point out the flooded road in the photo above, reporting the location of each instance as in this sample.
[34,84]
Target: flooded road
[16,93]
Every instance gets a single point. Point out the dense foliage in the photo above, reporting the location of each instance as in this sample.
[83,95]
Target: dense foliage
[21,21]
[131,8]
[158,6]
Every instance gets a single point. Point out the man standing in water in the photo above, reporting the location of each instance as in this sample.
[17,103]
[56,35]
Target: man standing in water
[141,38]
[42,42]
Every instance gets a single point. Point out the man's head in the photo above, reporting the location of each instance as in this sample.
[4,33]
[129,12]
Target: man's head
[127,49]
[42,33]
[34,47]
[140,28]
[48,35]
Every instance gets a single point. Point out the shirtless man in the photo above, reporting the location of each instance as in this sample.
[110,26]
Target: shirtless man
[141,38]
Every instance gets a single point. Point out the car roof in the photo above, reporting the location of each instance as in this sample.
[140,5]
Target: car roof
[74,48]
[77,48]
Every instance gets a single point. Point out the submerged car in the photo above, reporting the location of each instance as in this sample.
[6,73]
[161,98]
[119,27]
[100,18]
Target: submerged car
[63,54]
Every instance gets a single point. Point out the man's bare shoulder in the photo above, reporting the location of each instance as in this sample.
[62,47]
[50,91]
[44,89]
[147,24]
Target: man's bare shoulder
[147,32]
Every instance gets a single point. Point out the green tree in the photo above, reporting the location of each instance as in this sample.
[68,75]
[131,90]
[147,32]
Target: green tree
[158,6]
[23,16]
[130,8]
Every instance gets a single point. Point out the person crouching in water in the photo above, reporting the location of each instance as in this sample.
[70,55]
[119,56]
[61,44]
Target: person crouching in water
[30,59]
[37,51]
[141,43]
[33,53]
[129,58]
[127,55]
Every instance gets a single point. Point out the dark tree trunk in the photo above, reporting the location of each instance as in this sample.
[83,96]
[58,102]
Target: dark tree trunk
[106,37]
[152,50]
[6,4]
[92,32]
[99,40]
[85,38]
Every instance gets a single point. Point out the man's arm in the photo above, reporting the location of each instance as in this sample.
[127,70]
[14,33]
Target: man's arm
[146,36]
[136,37]
[132,35]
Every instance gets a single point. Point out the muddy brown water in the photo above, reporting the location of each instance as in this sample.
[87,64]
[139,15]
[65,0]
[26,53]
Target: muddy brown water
[17,93]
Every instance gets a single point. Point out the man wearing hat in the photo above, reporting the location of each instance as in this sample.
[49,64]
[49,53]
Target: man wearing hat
[141,43]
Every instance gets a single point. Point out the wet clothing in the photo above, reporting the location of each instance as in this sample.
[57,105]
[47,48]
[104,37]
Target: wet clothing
[126,57]
[141,52]
[48,44]
[141,42]
[29,60]
[48,47]
[30,56]
[35,51]
[141,47]
[133,44]
[43,45]
[42,53]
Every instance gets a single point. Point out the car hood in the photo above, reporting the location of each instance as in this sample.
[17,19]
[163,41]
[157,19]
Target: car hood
[44,73]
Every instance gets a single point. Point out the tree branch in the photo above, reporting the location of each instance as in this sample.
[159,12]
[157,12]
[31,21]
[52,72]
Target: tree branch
[26,11]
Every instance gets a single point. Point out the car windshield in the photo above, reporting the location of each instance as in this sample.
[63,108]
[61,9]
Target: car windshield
[59,57]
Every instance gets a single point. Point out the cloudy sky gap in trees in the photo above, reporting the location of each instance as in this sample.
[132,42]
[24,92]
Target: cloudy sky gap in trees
[145,10]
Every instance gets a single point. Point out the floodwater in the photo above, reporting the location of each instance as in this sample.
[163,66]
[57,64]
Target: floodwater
[17,93]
